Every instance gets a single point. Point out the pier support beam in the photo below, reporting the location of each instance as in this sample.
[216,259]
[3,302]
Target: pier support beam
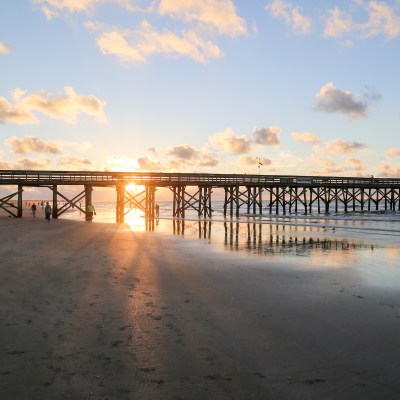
[19,212]
[54,210]
[88,197]
[120,206]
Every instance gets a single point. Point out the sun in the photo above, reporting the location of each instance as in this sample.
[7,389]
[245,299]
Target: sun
[133,188]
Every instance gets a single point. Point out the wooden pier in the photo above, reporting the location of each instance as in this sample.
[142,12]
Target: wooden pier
[244,194]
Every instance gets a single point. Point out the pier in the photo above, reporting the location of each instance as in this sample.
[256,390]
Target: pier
[243,193]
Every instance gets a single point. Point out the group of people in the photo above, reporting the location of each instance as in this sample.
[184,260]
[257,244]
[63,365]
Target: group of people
[90,211]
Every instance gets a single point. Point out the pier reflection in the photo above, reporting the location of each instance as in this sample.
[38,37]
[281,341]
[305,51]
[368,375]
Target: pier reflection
[277,239]
[266,239]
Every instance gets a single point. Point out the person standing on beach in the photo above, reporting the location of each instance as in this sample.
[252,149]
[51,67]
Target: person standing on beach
[33,208]
[89,212]
[47,211]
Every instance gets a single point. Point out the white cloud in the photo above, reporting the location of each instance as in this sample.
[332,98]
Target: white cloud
[30,144]
[138,45]
[389,171]
[65,107]
[267,136]
[393,151]
[74,163]
[40,163]
[356,164]
[293,16]
[217,14]
[382,20]
[53,8]
[230,143]
[305,137]
[337,23]
[332,100]
[339,146]
[147,164]
[3,48]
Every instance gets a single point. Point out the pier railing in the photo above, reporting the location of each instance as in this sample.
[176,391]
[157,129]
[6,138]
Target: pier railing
[97,178]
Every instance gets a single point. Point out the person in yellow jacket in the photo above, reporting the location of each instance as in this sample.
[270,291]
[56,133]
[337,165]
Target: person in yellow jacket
[90,211]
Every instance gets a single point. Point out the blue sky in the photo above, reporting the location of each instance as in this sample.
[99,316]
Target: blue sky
[309,87]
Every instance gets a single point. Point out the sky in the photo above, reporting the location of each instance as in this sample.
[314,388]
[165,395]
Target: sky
[218,86]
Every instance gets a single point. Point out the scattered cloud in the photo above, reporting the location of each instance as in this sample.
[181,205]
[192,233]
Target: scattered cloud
[74,163]
[117,163]
[4,164]
[267,136]
[292,15]
[339,146]
[393,151]
[32,144]
[183,152]
[326,166]
[388,171]
[53,8]
[208,160]
[357,165]
[147,164]
[305,137]
[4,49]
[250,161]
[65,107]
[40,163]
[228,142]
[138,45]
[337,23]
[382,20]
[219,15]
[332,100]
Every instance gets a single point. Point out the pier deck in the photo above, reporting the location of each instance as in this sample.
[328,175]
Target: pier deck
[244,193]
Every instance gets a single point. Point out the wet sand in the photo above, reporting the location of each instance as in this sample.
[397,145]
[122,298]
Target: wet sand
[95,311]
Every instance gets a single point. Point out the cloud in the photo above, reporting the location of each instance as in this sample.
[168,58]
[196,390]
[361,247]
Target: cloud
[147,164]
[382,20]
[337,24]
[250,161]
[138,45]
[53,8]
[293,16]
[341,147]
[65,107]
[73,163]
[332,100]
[326,166]
[357,165]
[32,144]
[3,48]
[267,136]
[117,163]
[40,163]
[4,164]
[393,151]
[305,137]
[208,160]
[183,152]
[220,15]
[388,171]
[230,143]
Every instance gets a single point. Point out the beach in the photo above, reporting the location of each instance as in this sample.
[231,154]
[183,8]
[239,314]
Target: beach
[98,311]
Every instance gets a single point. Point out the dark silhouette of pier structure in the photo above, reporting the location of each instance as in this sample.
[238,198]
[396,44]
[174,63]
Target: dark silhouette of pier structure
[243,194]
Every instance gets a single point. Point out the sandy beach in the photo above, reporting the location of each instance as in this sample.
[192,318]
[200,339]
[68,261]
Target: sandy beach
[96,311]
